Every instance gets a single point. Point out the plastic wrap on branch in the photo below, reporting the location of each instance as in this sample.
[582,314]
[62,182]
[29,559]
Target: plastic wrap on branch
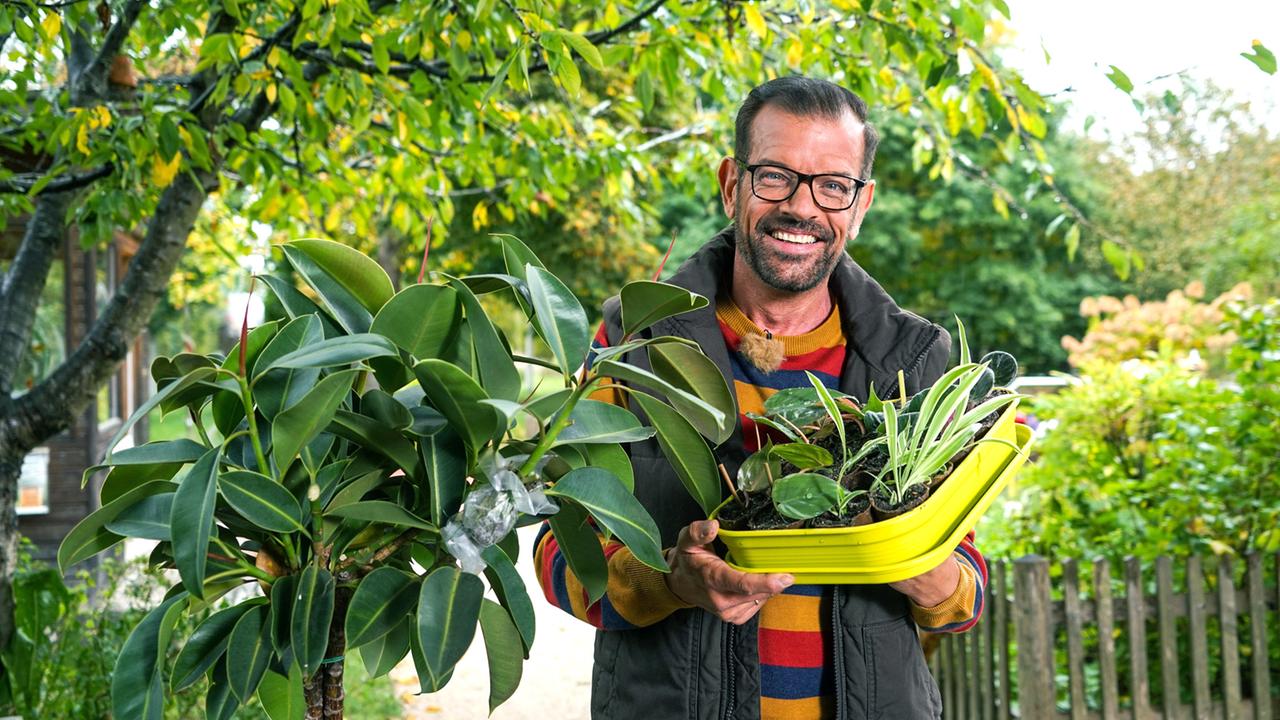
[462,547]
[491,510]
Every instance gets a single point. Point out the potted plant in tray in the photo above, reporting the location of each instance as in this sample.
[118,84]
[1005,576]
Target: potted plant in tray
[360,465]
[859,477]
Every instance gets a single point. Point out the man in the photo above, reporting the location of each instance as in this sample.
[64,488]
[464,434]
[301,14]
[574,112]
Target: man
[706,641]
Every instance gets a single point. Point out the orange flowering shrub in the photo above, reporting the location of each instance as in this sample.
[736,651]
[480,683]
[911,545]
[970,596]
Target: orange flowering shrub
[1182,322]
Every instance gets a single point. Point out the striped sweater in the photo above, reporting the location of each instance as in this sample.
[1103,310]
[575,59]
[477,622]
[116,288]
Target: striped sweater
[794,638]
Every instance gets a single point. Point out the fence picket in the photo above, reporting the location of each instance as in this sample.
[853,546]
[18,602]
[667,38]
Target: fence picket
[966,676]
[1199,639]
[1106,639]
[986,628]
[1005,694]
[1229,625]
[1135,602]
[974,673]
[1172,703]
[1258,631]
[1035,641]
[1075,637]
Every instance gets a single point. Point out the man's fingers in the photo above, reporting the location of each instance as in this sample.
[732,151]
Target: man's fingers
[727,580]
[696,534]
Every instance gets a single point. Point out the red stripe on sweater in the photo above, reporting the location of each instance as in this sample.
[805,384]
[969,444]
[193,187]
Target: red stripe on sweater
[790,648]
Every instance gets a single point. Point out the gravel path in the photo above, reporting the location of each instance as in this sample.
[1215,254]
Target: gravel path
[557,675]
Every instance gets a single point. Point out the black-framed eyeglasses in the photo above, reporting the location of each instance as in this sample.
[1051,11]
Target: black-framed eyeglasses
[775,183]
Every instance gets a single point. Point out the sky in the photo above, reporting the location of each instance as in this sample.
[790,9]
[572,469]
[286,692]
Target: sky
[1146,39]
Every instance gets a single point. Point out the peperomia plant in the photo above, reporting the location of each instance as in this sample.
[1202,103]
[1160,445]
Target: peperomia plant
[364,462]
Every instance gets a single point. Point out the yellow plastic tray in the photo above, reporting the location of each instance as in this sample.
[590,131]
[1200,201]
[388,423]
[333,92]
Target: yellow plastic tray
[894,549]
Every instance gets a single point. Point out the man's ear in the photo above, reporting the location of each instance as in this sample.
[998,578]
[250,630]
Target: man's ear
[728,177]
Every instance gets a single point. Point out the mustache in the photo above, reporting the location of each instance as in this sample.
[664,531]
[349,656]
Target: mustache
[794,225]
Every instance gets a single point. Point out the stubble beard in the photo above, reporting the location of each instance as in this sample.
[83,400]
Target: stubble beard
[779,271]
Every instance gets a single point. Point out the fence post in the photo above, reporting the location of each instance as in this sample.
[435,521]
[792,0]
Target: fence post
[1034,638]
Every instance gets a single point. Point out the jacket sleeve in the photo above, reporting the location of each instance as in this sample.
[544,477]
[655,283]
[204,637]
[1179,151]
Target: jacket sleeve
[963,609]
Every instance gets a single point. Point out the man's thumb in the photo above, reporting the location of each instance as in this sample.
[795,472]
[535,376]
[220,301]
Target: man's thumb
[705,531]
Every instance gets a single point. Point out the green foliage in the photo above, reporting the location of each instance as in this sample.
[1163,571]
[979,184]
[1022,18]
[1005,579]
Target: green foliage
[1148,457]
[324,489]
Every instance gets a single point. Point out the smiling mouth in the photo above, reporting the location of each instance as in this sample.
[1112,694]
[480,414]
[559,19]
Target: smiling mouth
[793,238]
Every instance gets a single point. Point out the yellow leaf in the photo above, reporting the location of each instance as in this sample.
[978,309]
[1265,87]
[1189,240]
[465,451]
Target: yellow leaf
[271,93]
[480,216]
[755,21]
[51,25]
[333,218]
[795,54]
[162,172]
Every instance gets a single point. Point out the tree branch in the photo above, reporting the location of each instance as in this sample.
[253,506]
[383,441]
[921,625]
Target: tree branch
[23,184]
[25,281]
[91,82]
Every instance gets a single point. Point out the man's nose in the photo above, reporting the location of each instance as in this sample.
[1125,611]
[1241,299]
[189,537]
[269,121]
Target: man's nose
[802,203]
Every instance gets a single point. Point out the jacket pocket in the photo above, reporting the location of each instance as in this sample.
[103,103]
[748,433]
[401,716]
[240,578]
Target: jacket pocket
[899,684]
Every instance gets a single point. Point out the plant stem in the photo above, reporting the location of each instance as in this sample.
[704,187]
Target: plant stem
[247,398]
[557,426]
[728,483]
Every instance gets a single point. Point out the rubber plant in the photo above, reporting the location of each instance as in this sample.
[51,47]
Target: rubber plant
[361,467]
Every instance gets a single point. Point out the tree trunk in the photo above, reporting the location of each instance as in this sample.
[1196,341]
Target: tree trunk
[324,691]
[10,466]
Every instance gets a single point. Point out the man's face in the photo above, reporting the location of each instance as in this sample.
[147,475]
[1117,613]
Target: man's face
[793,245]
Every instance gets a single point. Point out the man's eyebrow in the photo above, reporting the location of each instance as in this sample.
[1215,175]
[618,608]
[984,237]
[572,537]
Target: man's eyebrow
[775,163]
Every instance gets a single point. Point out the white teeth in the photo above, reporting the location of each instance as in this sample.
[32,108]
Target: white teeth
[798,239]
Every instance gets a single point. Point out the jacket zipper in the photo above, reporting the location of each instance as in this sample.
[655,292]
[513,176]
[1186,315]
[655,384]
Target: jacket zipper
[731,631]
[836,652]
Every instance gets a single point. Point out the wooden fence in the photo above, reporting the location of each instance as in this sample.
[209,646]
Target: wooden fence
[1128,647]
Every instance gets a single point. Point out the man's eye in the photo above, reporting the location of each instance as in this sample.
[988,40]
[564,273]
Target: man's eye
[773,176]
[835,187]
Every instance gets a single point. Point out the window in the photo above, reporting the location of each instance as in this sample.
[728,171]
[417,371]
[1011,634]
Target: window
[33,483]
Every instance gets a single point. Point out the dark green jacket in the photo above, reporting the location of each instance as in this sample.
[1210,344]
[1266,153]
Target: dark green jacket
[694,666]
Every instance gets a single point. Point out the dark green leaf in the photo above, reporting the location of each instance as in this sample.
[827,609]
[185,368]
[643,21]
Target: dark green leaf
[559,317]
[283,594]
[192,520]
[383,654]
[707,417]
[372,434]
[446,467]
[155,453]
[137,688]
[220,703]
[276,389]
[593,421]
[612,458]
[281,696]
[504,650]
[249,651]
[147,519]
[383,512]
[516,255]
[310,617]
[358,274]
[422,319]
[688,369]
[342,350]
[262,501]
[90,536]
[803,456]
[297,305]
[645,303]
[496,372]
[384,598]
[614,507]
[383,407]
[804,495]
[206,645]
[687,451]
[448,609]
[509,587]
[580,546]
[298,425]
[457,396]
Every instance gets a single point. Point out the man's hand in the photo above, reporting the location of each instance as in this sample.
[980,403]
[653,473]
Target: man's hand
[699,577]
[933,587]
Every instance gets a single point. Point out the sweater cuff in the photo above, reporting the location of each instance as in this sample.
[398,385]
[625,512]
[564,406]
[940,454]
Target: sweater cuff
[957,608]
[642,597]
